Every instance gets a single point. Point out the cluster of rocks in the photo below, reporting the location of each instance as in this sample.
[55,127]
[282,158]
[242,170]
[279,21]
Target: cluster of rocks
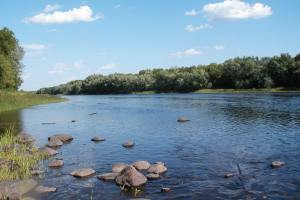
[134,175]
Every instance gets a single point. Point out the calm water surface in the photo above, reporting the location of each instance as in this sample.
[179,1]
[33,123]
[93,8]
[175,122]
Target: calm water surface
[225,131]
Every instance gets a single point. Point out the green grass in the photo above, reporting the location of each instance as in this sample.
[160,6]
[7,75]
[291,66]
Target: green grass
[17,100]
[18,159]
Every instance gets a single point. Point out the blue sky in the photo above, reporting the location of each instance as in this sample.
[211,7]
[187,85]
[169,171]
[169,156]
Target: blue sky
[67,40]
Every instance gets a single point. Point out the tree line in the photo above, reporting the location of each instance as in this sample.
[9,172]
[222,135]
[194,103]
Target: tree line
[11,54]
[237,73]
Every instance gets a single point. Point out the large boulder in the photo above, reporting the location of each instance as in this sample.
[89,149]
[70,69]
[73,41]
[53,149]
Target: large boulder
[141,165]
[54,142]
[157,168]
[48,151]
[130,177]
[84,172]
[108,176]
[118,167]
[63,137]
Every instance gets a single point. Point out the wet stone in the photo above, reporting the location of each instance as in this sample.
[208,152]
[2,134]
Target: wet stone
[128,144]
[108,176]
[153,176]
[118,167]
[130,177]
[56,163]
[165,189]
[48,151]
[84,172]
[98,139]
[277,164]
[54,142]
[141,165]
[157,168]
[228,175]
[63,137]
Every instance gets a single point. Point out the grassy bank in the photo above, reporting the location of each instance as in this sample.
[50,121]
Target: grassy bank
[17,159]
[17,100]
[207,91]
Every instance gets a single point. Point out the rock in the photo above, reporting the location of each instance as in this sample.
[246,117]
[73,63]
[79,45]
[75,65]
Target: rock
[183,119]
[128,144]
[16,189]
[73,121]
[118,167]
[108,176]
[25,138]
[130,177]
[228,175]
[153,176]
[277,164]
[83,172]
[43,189]
[98,139]
[62,137]
[165,189]
[48,151]
[141,165]
[54,142]
[36,172]
[56,163]
[158,168]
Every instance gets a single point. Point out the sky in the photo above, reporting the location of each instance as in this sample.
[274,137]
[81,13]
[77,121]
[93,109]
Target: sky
[68,40]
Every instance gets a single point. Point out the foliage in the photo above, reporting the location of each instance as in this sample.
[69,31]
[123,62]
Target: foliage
[11,55]
[15,100]
[237,73]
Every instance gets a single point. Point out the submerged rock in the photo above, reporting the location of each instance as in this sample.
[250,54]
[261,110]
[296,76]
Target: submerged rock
[158,168]
[83,172]
[118,167]
[183,119]
[48,151]
[43,189]
[128,144]
[54,142]
[98,139]
[130,177]
[153,176]
[108,176]
[56,163]
[63,137]
[141,165]
[277,164]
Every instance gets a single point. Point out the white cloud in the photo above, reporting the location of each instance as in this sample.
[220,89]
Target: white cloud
[81,14]
[108,66]
[194,28]
[187,53]
[219,47]
[33,49]
[51,8]
[59,68]
[236,9]
[191,13]
[79,64]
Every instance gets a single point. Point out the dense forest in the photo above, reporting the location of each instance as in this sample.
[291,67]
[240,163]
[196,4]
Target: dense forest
[237,73]
[11,54]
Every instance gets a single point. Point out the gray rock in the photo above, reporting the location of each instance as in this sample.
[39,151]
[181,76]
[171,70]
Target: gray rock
[108,176]
[128,144]
[153,176]
[141,165]
[183,119]
[130,177]
[56,163]
[118,167]
[16,189]
[63,137]
[277,164]
[48,151]
[165,189]
[43,189]
[54,142]
[83,172]
[25,138]
[157,168]
[98,139]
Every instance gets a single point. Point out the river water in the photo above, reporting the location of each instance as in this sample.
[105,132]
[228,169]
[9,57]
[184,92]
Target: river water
[226,132]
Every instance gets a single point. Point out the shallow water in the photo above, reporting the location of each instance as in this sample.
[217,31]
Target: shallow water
[225,131]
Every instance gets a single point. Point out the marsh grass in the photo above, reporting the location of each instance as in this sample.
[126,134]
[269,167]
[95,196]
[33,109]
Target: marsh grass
[16,100]
[18,159]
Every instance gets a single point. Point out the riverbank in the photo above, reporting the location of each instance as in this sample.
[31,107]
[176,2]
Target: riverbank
[17,100]
[214,91]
